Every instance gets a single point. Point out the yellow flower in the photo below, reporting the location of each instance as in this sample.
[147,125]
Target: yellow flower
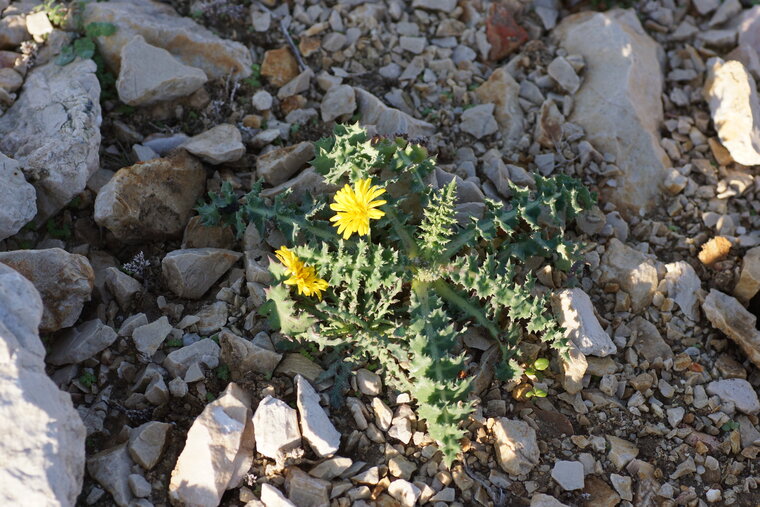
[355,207]
[302,276]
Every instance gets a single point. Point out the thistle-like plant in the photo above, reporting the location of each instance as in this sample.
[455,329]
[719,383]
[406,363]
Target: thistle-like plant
[401,277]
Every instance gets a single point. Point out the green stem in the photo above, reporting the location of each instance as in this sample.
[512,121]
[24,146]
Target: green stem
[406,238]
[327,235]
[447,293]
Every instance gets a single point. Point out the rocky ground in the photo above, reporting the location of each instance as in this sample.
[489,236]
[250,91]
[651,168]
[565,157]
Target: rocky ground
[135,368]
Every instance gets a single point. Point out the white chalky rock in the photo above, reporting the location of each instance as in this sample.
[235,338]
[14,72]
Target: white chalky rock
[749,279]
[737,391]
[275,425]
[732,95]
[218,145]
[149,74]
[728,315]
[317,429]
[568,474]
[684,285]
[218,451]
[575,312]
[18,198]
[516,446]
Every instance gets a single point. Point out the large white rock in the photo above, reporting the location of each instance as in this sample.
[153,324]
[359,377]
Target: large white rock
[149,74]
[18,198]
[575,312]
[317,429]
[53,131]
[619,104]
[64,281]
[160,25]
[151,200]
[732,95]
[218,451]
[729,316]
[276,428]
[43,436]
[738,391]
[516,446]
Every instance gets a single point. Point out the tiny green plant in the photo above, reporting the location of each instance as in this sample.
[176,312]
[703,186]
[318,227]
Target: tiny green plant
[56,12]
[87,379]
[536,393]
[254,80]
[389,269]
[538,366]
[56,231]
[730,426]
[223,372]
[84,46]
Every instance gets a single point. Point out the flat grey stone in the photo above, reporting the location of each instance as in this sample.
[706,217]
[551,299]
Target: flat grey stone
[82,342]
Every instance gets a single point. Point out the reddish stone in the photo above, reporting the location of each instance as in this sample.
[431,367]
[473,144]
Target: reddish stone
[503,32]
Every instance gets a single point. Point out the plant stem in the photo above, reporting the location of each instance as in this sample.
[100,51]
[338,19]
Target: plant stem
[447,293]
[406,238]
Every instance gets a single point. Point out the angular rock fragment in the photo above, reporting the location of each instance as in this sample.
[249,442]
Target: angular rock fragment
[624,73]
[516,446]
[148,338]
[81,342]
[732,95]
[191,272]
[634,271]
[479,121]
[149,74]
[279,66]
[151,200]
[338,101]
[749,279]
[162,27]
[273,497]
[111,468]
[279,165]
[501,90]
[648,342]
[146,443]
[204,352]
[317,429]
[737,391]
[276,428]
[305,490]
[573,369]
[729,316]
[64,281]
[389,121]
[43,436]
[683,287]
[568,474]
[243,356]
[18,198]
[576,315]
[621,451]
[218,451]
[218,145]
[53,131]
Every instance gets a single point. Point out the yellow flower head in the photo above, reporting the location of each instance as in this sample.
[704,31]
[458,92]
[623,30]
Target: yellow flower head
[355,207]
[302,276]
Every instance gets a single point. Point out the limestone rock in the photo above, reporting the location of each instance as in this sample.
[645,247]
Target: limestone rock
[161,27]
[575,313]
[279,66]
[317,429]
[684,285]
[53,131]
[275,425]
[243,356]
[198,235]
[191,272]
[501,90]
[122,286]
[43,436]
[149,74]
[148,338]
[573,369]
[542,500]
[63,280]
[624,73]
[516,446]
[218,145]
[749,279]
[273,497]
[389,121]
[146,443]
[111,468]
[218,451]
[478,121]
[568,474]
[737,391]
[648,342]
[338,101]
[621,451]
[634,271]
[728,315]
[18,198]
[296,364]
[732,95]
[279,165]
[203,352]
[305,490]
[82,342]
[404,492]
[151,200]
